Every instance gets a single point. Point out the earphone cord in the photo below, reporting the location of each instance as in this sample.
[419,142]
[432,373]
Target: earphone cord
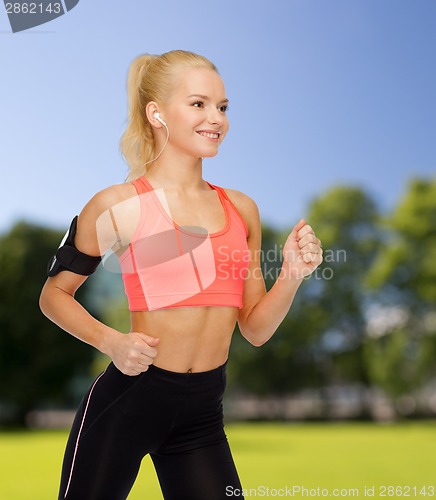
[161,151]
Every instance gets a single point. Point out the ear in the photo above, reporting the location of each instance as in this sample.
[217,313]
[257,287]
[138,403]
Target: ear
[152,108]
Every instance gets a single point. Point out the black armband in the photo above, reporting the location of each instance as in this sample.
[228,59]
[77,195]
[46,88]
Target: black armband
[68,258]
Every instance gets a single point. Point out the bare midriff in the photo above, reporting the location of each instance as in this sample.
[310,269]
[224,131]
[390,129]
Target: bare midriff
[192,339]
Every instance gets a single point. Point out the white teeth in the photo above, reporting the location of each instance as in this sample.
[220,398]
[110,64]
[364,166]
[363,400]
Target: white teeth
[210,135]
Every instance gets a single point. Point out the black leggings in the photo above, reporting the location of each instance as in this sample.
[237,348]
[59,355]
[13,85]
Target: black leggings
[175,417]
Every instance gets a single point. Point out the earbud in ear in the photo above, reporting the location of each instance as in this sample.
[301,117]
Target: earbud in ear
[159,119]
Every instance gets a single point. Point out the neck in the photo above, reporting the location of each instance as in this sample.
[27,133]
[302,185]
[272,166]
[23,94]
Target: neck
[179,172]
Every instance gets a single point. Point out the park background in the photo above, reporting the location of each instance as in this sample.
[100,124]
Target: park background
[333,117]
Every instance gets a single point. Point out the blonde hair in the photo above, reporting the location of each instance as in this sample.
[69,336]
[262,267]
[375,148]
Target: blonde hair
[151,78]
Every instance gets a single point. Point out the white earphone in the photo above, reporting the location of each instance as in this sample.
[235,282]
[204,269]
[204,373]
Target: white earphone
[159,119]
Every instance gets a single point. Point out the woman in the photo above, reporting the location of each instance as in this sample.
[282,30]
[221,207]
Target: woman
[189,252]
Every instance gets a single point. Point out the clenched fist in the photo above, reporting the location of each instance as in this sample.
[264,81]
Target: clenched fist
[302,252]
[132,353]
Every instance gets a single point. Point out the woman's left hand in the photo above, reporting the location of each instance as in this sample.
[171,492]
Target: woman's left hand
[302,252]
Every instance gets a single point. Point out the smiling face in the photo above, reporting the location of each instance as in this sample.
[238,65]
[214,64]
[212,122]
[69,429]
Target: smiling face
[196,113]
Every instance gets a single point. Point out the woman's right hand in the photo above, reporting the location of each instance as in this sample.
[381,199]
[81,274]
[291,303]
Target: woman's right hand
[132,353]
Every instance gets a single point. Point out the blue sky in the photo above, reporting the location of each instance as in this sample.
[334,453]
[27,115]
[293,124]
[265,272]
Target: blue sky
[322,92]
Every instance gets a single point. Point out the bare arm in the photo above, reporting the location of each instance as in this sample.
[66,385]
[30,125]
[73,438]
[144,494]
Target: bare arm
[57,302]
[132,353]
[264,311]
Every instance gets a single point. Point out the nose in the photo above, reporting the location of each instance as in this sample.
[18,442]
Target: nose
[215,117]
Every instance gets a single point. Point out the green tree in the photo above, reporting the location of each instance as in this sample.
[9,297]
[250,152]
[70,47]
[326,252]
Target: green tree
[37,359]
[400,353]
[405,269]
[345,219]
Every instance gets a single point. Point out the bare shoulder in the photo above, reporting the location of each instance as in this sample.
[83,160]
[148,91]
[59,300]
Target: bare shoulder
[246,206]
[108,198]
[241,200]
[94,225]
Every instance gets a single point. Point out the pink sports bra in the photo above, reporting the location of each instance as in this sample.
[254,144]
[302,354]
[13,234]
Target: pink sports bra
[167,265]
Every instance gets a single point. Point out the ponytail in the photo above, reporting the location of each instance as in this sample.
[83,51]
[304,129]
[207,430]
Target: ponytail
[137,143]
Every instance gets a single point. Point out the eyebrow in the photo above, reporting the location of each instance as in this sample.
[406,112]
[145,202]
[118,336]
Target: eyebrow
[205,97]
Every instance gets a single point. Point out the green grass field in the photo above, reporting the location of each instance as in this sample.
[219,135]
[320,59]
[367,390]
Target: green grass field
[328,456]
